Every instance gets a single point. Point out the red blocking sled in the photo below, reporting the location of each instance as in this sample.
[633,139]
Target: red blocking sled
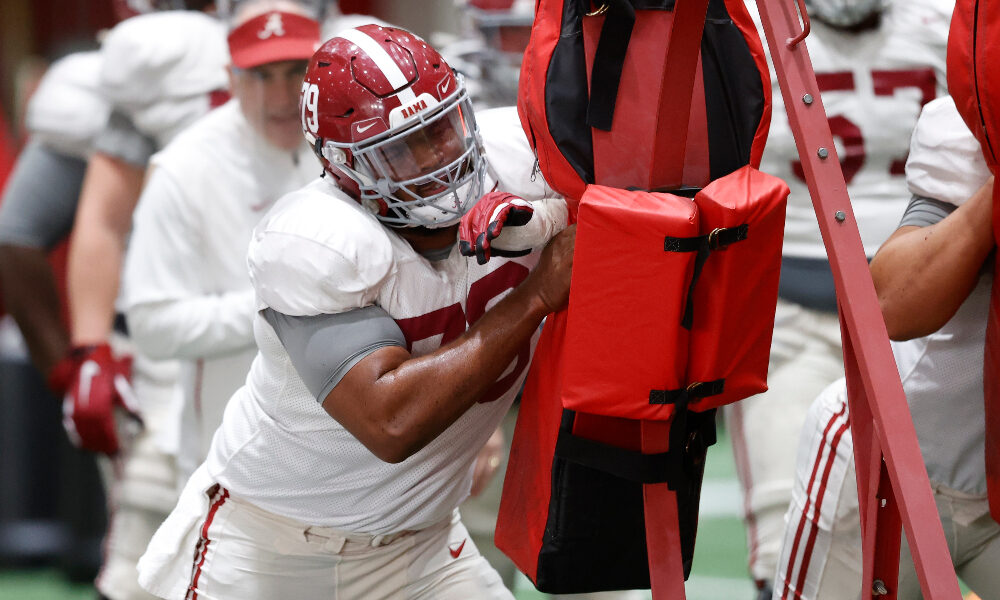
[587,474]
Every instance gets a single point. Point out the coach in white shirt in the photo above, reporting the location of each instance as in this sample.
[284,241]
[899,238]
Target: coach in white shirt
[187,290]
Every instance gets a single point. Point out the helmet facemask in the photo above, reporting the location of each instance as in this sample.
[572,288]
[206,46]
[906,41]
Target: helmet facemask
[425,172]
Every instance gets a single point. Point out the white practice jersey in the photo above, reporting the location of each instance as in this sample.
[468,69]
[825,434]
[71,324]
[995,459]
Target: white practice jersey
[163,69]
[873,85]
[187,291]
[319,252]
[68,110]
[946,162]
[942,372]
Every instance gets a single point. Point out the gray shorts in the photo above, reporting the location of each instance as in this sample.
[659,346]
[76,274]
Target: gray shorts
[39,202]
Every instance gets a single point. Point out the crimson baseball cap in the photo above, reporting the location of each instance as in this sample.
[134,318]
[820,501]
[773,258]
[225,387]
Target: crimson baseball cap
[271,37]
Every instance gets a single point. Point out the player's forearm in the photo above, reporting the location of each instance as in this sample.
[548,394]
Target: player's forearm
[415,400]
[31,297]
[93,280]
[923,274]
[396,404]
[194,327]
[103,220]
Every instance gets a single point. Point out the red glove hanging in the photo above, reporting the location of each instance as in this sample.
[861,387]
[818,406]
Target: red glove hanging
[99,385]
[484,222]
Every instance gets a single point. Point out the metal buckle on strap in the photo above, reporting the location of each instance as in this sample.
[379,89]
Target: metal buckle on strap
[600,11]
[713,238]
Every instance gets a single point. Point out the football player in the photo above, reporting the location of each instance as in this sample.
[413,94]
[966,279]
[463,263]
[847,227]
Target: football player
[387,357]
[877,62]
[159,72]
[65,114]
[933,281]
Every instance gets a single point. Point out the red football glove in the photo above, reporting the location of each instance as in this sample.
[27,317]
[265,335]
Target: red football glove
[62,373]
[484,222]
[99,386]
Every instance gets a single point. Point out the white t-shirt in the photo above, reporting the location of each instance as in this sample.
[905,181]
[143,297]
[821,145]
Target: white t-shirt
[873,84]
[186,286]
[319,252]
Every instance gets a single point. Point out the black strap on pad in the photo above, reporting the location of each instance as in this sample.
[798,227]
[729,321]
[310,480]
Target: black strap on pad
[704,245]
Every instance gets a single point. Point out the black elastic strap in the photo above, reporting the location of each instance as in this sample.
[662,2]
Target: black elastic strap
[627,464]
[609,58]
[718,239]
[694,391]
[606,72]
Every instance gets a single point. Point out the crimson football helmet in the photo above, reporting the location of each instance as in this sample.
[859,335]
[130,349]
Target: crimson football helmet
[393,124]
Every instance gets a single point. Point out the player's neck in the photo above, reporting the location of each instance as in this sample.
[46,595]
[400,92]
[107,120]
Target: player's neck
[429,241]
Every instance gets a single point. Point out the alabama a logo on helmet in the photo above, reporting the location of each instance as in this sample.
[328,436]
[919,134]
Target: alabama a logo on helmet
[410,103]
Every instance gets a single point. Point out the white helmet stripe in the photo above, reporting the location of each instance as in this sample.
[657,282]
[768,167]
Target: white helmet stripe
[383,61]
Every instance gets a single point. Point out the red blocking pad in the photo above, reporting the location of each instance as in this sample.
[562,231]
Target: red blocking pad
[623,332]
[527,488]
[737,291]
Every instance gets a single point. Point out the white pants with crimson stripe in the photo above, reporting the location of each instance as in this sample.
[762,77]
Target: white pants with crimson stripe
[806,356]
[217,547]
[821,551]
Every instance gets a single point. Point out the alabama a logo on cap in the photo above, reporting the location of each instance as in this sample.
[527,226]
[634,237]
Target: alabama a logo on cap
[273,27]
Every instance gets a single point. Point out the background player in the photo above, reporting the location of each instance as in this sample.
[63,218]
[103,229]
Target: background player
[933,280]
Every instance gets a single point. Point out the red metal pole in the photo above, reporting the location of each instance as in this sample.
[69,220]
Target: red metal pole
[663,544]
[866,342]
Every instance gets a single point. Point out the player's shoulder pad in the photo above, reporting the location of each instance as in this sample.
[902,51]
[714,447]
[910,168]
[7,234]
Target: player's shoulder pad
[511,160]
[171,54]
[945,161]
[318,252]
[68,109]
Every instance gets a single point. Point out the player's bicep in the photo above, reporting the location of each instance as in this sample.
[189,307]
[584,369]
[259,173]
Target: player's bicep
[340,355]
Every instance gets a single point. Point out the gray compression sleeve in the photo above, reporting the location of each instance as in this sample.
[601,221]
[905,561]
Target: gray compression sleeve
[39,204]
[921,212]
[122,140]
[323,348]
